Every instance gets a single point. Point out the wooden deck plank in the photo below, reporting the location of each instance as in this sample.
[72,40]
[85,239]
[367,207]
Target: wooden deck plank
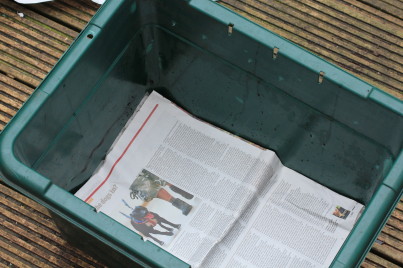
[4,118]
[376,261]
[18,87]
[27,39]
[356,16]
[29,245]
[373,10]
[30,23]
[25,235]
[9,101]
[400,206]
[62,16]
[36,221]
[90,4]
[4,264]
[392,8]
[374,18]
[395,3]
[368,264]
[22,65]
[394,232]
[391,253]
[45,223]
[7,193]
[43,21]
[332,40]
[356,27]
[328,30]
[42,57]
[11,94]
[345,59]
[35,34]
[398,214]
[13,260]
[21,56]
[328,26]
[7,109]
[19,75]
[327,19]
[30,258]
[391,241]
[82,6]
[72,10]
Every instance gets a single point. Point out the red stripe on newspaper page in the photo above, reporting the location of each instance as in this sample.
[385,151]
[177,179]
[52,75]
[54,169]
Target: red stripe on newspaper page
[123,153]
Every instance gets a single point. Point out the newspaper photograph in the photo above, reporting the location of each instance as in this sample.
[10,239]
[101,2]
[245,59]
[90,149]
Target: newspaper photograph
[156,208]
[213,199]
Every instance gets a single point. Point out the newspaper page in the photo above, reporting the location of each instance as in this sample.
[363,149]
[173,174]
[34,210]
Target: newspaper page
[297,223]
[206,196]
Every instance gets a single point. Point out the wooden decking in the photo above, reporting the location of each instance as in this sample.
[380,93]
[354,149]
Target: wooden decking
[364,37]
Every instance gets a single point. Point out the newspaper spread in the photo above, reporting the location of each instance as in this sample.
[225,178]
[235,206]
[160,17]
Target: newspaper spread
[213,199]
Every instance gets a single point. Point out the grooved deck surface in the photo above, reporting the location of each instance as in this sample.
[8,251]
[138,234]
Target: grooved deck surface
[363,37]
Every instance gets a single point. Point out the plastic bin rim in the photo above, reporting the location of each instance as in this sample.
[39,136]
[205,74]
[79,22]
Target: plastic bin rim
[302,56]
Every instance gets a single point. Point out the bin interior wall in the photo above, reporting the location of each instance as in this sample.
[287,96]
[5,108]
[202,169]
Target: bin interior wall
[304,138]
[337,138]
[71,133]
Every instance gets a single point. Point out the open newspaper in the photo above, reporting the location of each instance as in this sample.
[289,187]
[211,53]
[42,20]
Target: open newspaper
[213,199]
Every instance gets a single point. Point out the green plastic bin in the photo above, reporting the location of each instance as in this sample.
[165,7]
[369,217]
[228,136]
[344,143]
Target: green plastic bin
[340,131]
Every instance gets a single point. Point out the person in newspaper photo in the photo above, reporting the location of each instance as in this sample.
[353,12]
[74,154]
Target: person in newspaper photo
[145,222]
[341,212]
[148,186]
